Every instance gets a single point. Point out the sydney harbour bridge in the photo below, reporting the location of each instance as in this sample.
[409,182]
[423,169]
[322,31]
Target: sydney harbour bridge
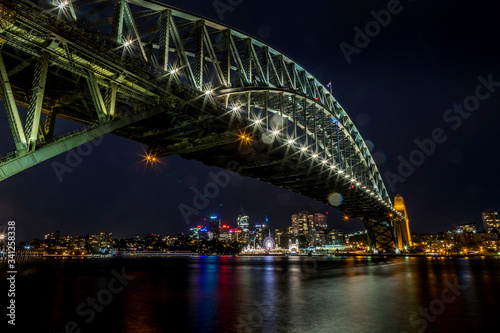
[182,84]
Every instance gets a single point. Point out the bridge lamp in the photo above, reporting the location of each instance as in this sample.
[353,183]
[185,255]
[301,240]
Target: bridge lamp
[303,149]
[324,161]
[341,171]
[2,236]
[315,156]
[276,132]
[175,70]
[236,108]
[332,167]
[62,4]
[208,92]
[291,141]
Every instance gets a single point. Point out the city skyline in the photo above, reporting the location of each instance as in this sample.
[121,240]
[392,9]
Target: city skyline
[490,223]
[393,97]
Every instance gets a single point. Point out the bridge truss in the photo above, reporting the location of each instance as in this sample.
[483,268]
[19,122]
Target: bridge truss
[181,84]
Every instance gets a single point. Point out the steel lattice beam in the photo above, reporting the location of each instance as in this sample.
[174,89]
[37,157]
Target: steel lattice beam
[184,55]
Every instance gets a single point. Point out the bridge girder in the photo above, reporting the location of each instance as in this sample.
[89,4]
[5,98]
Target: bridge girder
[221,81]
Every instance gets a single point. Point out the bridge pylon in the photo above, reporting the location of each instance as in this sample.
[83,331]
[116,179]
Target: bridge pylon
[391,234]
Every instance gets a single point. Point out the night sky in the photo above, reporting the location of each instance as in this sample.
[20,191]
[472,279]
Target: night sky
[396,89]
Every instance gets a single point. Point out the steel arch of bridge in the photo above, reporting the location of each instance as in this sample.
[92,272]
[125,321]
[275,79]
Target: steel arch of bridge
[92,62]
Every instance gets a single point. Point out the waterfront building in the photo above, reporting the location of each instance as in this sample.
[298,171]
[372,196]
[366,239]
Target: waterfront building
[467,227]
[491,220]
[100,241]
[335,237]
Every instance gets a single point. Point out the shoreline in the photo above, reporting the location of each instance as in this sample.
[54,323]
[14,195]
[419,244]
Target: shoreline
[189,254]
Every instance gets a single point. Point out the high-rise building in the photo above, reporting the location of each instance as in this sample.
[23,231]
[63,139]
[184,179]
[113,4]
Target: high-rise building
[320,220]
[261,232]
[281,238]
[214,225]
[490,220]
[243,223]
[302,223]
[309,228]
[336,237]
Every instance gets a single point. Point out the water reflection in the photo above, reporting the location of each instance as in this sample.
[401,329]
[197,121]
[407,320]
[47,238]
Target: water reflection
[268,294]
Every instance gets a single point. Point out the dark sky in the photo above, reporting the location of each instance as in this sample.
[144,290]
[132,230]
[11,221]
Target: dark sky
[396,89]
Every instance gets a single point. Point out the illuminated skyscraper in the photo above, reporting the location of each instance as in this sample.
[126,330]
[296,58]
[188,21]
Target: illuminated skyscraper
[302,223]
[320,221]
[490,220]
[243,223]
[214,226]
[309,227]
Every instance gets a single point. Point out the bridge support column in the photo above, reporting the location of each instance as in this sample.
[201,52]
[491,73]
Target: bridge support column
[381,235]
[11,108]
[35,107]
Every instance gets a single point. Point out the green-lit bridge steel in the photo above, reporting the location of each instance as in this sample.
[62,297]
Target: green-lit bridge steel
[181,84]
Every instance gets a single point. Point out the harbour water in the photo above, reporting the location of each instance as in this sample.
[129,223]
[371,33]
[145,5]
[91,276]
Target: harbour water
[258,294]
